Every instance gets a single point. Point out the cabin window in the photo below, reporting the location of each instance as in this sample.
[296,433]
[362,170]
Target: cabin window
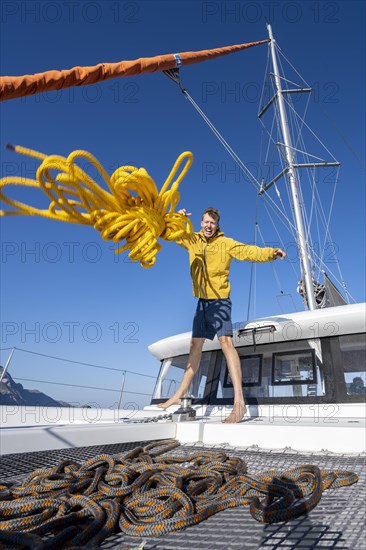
[285,369]
[251,371]
[353,353]
[171,374]
[294,367]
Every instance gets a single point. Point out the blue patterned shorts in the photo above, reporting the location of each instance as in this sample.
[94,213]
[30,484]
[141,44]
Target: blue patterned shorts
[212,317]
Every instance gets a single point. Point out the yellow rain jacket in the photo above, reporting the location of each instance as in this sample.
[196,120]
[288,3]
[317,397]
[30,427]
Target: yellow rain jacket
[210,261]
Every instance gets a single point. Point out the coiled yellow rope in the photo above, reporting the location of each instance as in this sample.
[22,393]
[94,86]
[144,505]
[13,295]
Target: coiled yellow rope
[134,210]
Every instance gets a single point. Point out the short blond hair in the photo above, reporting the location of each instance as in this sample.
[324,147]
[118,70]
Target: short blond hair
[213,212]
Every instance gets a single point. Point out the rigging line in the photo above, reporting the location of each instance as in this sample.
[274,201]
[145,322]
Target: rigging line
[284,163]
[273,266]
[275,186]
[294,120]
[317,212]
[344,139]
[269,163]
[314,134]
[252,270]
[252,263]
[319,209]
[232,153]
[235,157]
[287,81]
[78,386]
[290,200]
[282,76]
[275,120]
[318,234]
[311,178]
[281,71]
[296,117]
[175,76]
[222,140]
[306,154]
[81,363]
[281,53]
[238,160]
[283,160]
[320,205]
[266,162]
[325,222]
[260,149]
[250,283]
[292,111]
[281,240]
[271,142]
[309,242]
[309,221]
[327,232]
[327,268]
[298,175]
[269,132]
[330,119]
[303,123]
[287,223]
[265,81]
[279,196]
[307,217]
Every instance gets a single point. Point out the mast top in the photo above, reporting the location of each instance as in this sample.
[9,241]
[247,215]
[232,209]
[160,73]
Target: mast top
[269,29]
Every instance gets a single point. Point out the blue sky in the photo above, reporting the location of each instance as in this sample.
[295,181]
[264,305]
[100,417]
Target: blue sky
[63,291]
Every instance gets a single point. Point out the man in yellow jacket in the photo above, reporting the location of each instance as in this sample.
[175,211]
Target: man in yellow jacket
[210,256]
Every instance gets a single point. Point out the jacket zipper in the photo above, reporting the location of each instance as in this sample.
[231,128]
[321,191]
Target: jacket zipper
[204,272]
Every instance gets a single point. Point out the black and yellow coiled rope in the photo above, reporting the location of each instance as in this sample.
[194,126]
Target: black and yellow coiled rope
[149,493]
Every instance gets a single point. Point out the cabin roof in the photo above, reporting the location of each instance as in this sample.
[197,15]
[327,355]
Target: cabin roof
[332,321]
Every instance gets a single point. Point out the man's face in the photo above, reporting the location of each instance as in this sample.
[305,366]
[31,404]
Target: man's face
[209,226]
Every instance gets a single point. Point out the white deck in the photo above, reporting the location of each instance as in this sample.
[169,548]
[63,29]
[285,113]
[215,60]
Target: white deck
[341,430]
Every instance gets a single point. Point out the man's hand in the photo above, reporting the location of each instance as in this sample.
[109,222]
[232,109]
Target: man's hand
[184,212]
[280,254]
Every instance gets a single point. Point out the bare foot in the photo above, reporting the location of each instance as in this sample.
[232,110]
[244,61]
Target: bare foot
[237,414]
[171,401]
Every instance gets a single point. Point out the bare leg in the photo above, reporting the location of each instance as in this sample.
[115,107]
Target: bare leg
[191,369]
[233,364]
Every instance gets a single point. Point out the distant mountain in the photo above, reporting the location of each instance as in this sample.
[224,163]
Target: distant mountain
[12,393]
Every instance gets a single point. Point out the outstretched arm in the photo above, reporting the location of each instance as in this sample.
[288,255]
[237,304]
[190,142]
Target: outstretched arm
[253,253]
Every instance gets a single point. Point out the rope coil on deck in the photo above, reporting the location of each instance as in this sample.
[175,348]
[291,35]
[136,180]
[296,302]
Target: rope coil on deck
[146,492]
[134,211]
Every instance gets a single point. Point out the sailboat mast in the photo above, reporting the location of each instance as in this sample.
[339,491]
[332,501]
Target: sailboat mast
[293,180]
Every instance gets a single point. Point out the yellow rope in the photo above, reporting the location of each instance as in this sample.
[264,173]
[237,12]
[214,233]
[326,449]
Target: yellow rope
[134,210]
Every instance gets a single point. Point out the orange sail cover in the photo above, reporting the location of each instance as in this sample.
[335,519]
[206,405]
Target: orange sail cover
[12,87]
